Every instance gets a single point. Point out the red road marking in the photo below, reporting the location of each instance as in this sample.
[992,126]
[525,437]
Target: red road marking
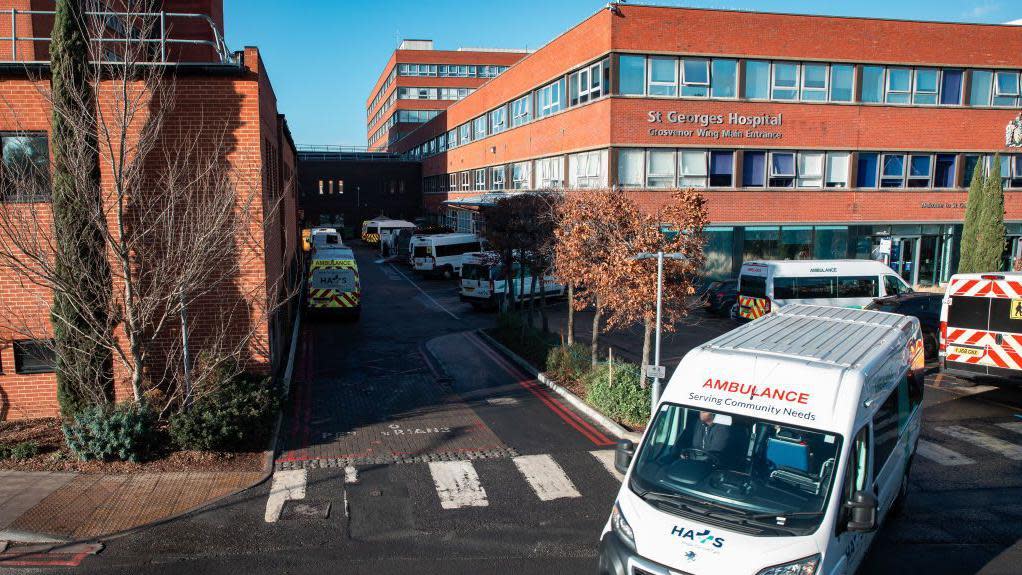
[569,417]
[28,561]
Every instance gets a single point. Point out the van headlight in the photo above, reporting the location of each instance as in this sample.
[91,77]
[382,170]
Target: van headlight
[805,566]
[620,526]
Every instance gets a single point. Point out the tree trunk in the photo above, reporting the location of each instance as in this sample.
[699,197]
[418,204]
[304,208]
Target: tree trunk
[542,304]
[571,314]
[532,300]
[647,337]
[594,347]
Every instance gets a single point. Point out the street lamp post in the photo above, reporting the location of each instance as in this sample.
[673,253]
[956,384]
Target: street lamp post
[656,368]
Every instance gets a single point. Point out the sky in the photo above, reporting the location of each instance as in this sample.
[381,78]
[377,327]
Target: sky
[324,56]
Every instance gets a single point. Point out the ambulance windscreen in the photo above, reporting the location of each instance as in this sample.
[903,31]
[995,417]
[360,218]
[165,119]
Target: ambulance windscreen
[752,475]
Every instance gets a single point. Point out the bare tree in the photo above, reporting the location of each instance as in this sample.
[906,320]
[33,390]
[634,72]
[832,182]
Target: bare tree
[180,222]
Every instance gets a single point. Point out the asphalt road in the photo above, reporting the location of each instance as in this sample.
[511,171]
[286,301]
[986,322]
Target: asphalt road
[465,466]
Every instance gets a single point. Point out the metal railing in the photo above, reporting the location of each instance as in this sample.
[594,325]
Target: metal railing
[161,21]
[356,153]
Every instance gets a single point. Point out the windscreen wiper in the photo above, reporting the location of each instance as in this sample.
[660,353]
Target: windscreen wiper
[784,515]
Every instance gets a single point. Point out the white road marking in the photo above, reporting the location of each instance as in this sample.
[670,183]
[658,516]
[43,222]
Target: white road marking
[606,457]
[502,401]
[287,484]
[457,484]
[416,286]
[547,478]
[988,442]
[942,455]
[350,474]
[1015,426]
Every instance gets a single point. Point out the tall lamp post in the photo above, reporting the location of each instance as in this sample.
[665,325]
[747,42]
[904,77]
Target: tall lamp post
[656,371]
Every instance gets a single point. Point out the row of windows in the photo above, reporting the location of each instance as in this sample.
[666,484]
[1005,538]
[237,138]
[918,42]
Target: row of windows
[402,116]
[585,84]
[694,168]
[383,109]
[383,88]
[584,170]
[414,93]
[450,70]
[699,77]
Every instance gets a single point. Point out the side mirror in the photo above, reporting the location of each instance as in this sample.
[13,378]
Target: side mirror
[623,455]
[863,507]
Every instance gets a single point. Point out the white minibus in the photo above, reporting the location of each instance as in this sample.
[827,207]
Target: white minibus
[440,254]
[777,448]
[484,281]
[765,285]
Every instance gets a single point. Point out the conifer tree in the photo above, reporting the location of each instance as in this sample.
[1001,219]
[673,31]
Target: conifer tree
[991,232]
[83,362]
[970,230]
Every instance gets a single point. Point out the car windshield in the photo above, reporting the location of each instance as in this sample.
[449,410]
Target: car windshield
[749,474]
[754,286]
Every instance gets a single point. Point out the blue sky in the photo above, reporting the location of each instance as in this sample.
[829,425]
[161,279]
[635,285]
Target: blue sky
[324,56]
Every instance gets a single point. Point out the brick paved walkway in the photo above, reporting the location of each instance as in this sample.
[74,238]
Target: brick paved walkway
[87,506]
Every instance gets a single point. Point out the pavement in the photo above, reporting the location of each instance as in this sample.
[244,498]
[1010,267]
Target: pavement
[411,446]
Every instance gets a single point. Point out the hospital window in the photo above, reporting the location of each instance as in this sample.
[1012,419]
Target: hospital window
[695,77]
[497,178]
[550,98]
[632,74]
[692,169]
[757,80]
[321,187]
[480,179]
[480,127]
[521,110]
[814,82]
[951,88]
[464,181]
[464,134]
[663,76]
[660,169]
[498,120]
[872,84]
[1006,89]
[753,169]
[588,83]
[784,81]
[521,175]
[721,169]
[588,169]
[1000,88]
[842,82]
[549,172]
[630,168]
[1011,171]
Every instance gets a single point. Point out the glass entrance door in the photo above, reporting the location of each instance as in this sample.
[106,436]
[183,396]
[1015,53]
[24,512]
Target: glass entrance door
[905,258]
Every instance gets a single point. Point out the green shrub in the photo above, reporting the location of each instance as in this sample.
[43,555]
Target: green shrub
[24,450]
[124,432]
[236,417]
[624,400]
[569,362]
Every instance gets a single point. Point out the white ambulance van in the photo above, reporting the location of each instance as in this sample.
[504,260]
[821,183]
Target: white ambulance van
[440,254]
[765,285]
[484,281]
[981,326]
[776,449]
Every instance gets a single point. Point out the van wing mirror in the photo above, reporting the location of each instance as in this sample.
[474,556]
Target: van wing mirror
[623,455]
[863,512]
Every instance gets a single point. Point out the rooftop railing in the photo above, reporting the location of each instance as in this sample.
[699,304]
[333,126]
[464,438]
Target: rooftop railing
[356,153]
[166,48]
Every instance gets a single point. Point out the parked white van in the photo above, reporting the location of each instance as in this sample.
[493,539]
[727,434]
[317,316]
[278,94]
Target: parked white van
[378,229]
[325,238]
[981,326]
[484,281]
[440,254]
[776,449]
[766,285]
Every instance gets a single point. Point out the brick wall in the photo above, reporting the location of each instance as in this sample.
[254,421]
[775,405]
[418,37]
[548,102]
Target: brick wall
[259,156]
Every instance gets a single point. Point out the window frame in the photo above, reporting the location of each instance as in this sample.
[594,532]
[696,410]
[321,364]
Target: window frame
[650,84]
[774,88]
[927,180]
[883,170]
[19,348]
[888,91]
[671,178]
[518,117]
[705,176]
[824,91]
[480,183]
[683,81]
[774,175]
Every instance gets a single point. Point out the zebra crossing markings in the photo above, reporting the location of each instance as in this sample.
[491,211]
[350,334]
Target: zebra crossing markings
[287,484]
[1015,426]
[545,477]
[942,455]
[457,484]
[988,442]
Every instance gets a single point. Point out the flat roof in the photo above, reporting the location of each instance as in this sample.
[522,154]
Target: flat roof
[841,337]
